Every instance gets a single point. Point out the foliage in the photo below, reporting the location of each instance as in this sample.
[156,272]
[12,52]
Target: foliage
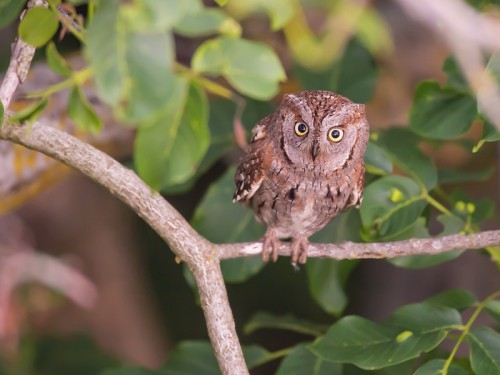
[184,116]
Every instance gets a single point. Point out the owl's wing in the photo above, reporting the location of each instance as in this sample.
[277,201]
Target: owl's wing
[357,192]
[249,177]
[250,172]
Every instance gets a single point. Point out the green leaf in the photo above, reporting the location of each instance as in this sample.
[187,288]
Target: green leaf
[38,26]
[155,139]
[485,351]
[402,145]
[454,76]
[262,320]
[82,113]
[73,354]
[220,220]
[490,132]
[181,360]
[221,134]
[458,299]
[425,317]
[192,140]
[9,11]
[256,355]
[206,21]
[252,68]
[106,53]
[493,309]
[221,141]
[150,82]
[411,330]
[56,62]
[169,149]
[344,227]
[353,76]
[452,224]
[377,160]
[390,205]
[441,113]
[129,370]
[436,366]
[327,278]
[156,15]
[133,70]
[30,113]
[301,361]
[458,176]
[279,11]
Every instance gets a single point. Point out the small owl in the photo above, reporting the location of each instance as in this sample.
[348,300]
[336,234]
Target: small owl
[304,165]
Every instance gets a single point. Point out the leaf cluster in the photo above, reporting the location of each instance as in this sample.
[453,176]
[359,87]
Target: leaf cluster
[184,116]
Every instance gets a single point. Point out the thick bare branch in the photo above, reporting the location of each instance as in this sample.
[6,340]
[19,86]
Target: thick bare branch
[189,246]
[201,255]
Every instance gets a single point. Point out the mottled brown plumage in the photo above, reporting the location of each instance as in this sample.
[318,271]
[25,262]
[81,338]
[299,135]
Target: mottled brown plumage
[304,165]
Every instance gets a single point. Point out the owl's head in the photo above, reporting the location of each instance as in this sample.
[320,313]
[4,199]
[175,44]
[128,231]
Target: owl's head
[321,129]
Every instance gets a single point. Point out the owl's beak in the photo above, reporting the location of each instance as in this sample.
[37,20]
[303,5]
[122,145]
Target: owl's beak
[315,150]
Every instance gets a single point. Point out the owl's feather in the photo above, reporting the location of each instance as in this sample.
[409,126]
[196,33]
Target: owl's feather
[250,172]
[298,179]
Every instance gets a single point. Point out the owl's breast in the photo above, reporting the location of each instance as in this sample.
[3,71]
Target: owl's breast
[300,206]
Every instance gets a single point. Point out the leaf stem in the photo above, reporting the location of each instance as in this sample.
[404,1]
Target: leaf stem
[272,356]
[433,202]
[209,85]
[466,330]
[77,78]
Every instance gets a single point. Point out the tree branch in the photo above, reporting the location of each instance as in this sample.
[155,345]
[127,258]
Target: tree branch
[375,250]
[187,244]
[202,256]
[468,34]
[19,64]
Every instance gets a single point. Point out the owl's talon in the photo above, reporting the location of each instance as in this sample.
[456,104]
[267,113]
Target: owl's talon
[299,250]
[271,246]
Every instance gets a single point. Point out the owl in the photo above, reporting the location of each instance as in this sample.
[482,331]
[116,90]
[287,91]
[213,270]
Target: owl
[304,165]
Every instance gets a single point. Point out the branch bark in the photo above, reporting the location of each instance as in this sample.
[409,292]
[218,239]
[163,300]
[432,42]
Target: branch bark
[202,256]
[19,64]
[375,250]
[198,253]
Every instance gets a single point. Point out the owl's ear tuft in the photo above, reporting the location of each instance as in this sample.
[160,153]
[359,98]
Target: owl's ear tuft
[289,98]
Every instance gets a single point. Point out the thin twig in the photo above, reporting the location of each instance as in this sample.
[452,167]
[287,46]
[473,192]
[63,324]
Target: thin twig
[19,65]
[375,250]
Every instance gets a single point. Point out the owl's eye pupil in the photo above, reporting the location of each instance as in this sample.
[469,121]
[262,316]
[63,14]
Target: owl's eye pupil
[301,129]
[336,134]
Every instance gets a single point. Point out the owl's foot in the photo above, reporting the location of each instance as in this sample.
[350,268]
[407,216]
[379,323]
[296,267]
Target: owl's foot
[271,246]
[299,250]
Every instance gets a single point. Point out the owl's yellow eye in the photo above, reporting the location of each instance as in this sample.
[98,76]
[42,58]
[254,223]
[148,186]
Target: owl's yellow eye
[301,129]
[336,134]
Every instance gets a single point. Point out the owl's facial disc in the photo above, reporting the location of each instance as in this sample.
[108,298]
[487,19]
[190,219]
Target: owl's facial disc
[315,150]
